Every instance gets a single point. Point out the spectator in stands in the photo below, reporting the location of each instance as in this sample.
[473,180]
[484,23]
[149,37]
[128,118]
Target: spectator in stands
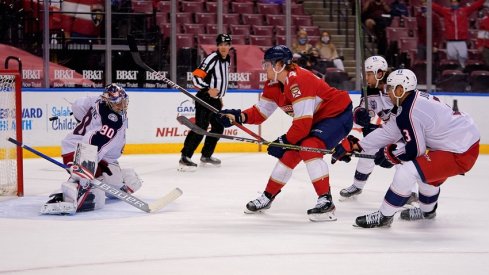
[327,51]
[437,32]
[301,44]
[79,26]
[373,16]
[456,19]
[399,8]
[483,36]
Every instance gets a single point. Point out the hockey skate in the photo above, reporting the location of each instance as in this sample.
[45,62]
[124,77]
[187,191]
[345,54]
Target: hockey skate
[324,209]
[186,165]
[350,192]
[210,161]
[263,202]
[413,214]
[56,206]
[373,220]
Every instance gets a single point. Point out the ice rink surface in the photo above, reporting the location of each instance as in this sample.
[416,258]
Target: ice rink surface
[206,232]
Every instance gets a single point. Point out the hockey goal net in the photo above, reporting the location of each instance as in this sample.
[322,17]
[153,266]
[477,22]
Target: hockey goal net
[11,178]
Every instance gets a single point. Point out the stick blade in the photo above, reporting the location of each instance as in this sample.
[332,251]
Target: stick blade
[165,200]
[185,121]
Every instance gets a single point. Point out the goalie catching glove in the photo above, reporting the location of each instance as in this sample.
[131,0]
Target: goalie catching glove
[227,116]
[344,150]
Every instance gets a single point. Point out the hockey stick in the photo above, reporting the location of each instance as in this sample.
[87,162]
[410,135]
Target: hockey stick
[358,6]
[137,59]
[123,196]
[185,121]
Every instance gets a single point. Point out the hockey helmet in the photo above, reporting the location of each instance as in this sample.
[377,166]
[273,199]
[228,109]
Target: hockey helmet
[223,38]
[116,97]
[375,63]
[404,78]
[278,53]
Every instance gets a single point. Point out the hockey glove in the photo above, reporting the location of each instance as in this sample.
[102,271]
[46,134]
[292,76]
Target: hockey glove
[361,116]
[225,120]
[278,151]
[344,150]
[385,158]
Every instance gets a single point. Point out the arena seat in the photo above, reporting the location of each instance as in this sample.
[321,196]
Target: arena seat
[262,30]
[452,81]
[261,40]
[193,28]
[239,29]
[212,7]
[231,18]
[205,18]
[265,8]
[185,40]
[164,6]
[252,19]
[192,6]
[206,39]
[242,7]
[184,18]
[142,6]
[479,81]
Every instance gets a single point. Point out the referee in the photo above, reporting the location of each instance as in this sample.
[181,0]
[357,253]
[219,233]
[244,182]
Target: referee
[211,79]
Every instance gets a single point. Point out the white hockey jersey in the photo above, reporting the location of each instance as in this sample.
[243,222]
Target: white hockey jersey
[100,126]
[423,122]
[378,104]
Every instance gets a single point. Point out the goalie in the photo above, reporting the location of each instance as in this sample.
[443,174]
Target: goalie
[95,145]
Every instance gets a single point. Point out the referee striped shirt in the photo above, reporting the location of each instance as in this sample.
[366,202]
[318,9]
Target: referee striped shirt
[213,72]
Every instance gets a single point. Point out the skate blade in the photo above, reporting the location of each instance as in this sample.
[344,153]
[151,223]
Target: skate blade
[184,168]
[249,212]
[324,217]
[209,165]
[352,198]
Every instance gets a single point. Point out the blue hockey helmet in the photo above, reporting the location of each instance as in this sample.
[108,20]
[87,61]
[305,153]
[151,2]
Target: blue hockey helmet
[116,97]
[278,53]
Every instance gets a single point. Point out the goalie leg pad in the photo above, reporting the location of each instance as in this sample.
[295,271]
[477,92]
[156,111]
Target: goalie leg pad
[132,181]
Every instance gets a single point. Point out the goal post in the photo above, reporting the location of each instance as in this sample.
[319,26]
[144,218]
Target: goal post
[11,159]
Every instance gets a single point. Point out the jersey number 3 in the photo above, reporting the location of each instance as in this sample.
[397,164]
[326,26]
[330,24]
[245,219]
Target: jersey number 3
[407,137]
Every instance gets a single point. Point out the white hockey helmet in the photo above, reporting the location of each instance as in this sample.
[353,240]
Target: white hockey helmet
[375,63]
[403,77]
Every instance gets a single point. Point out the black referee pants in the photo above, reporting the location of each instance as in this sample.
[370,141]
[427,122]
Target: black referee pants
[204,117]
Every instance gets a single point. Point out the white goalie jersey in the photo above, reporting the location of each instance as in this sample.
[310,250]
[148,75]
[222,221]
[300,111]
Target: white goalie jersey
[100,126]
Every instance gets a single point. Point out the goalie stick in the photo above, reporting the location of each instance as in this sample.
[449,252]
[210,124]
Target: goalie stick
[123,196]
[185,121]
[137,59]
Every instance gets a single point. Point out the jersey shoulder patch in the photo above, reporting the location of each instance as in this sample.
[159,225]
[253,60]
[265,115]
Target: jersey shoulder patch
[296,92]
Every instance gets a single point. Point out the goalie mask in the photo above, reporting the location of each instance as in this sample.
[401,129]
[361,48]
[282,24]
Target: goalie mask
[116,98]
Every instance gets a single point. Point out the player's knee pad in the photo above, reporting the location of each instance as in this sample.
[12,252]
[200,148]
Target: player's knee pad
[313,142]
[132,181]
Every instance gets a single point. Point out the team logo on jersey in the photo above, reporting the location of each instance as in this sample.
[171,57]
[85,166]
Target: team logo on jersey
[113,117]
[296,92]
